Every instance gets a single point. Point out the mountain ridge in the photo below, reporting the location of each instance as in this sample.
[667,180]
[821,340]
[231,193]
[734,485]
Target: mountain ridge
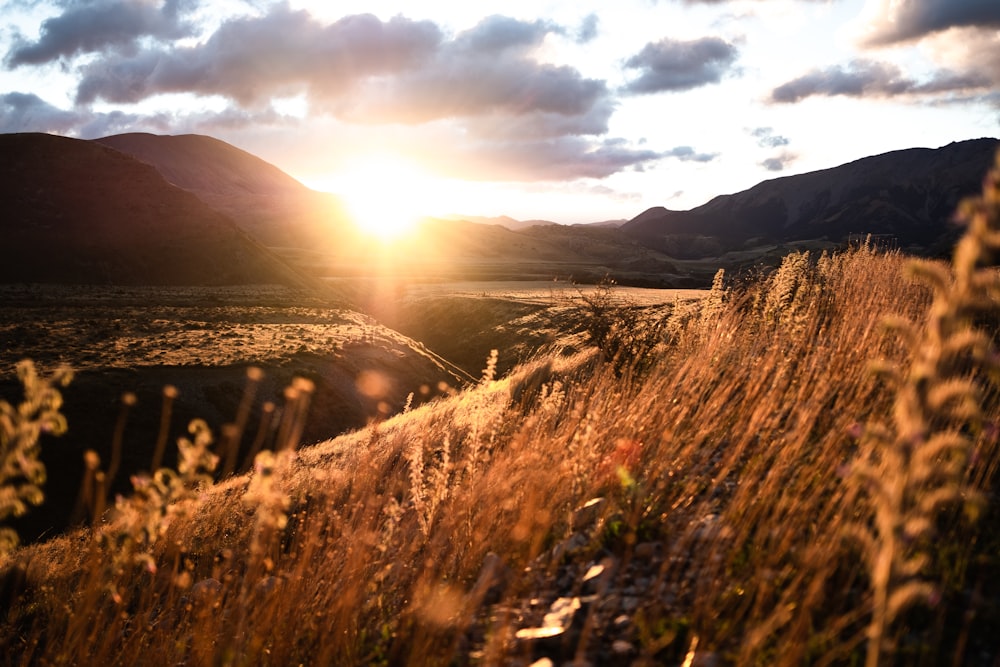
[908,194]
[79,212]
[271,205]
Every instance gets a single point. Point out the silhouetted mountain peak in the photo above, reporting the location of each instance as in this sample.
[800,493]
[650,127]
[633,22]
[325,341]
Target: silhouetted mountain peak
[81,212]
[265,201]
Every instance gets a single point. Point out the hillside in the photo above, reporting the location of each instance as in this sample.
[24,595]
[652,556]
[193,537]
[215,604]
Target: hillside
[907,196]
[311,229]
[459,250]
[78,212]
[272,206]
[696,509]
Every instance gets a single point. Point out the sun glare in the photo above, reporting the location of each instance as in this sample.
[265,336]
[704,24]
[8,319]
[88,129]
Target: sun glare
[386,196]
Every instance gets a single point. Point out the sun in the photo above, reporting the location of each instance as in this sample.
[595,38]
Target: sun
[385,195]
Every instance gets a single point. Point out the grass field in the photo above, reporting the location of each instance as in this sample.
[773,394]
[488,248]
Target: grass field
[797,470]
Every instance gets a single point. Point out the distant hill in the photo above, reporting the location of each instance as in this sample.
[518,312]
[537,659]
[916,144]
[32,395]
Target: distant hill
[519,225]
[502,220]
[272,206]
[80,212]
[459,249]
[608,224]
[907,196]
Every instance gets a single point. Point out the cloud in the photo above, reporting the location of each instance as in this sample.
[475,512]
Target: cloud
[473,87]
[779,162]
[508,114]
[496,34]
[592,120]
[688,154]
[252,59]
[674,65]
[561,158]
[897,21]
[865,78]
[974,55]
[362,70]
[88,27]
[766,138]
[588,29]
[722,2]
[26,112]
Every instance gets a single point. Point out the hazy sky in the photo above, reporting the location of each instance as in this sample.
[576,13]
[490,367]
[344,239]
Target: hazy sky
[573,111]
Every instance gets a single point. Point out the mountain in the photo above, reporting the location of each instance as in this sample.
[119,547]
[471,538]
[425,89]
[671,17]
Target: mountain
[79,212]
[502,220]
[462,250]
[272,206]
[908,196]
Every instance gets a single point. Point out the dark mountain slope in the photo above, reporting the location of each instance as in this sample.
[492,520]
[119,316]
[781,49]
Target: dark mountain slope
[268,203]
[81,213]
[908,195]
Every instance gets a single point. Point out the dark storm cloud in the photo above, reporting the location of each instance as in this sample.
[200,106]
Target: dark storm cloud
[87,27]
[252,59]
[688,154]
[779,162]
[913,19]
[674,65]
[864,78]
[766,138]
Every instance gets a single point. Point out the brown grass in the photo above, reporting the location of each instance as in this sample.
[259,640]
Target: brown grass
[690,508]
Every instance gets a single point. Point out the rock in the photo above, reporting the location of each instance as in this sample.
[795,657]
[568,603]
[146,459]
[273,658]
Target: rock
[622,648]
[569,546]
[587,515]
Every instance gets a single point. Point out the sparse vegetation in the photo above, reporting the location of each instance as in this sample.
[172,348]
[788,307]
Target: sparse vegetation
[22,474]
[739,488]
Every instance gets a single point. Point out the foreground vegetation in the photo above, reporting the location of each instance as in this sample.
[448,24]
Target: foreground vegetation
[796,471]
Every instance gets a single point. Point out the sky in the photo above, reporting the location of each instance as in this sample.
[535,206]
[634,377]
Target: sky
[565,110]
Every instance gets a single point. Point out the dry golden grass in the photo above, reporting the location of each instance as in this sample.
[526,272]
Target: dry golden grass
[694,506]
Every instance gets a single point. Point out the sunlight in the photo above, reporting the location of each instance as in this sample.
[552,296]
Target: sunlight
[385,195]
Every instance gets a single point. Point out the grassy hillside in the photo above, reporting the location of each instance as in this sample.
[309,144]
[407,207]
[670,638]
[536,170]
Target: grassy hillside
[739,485]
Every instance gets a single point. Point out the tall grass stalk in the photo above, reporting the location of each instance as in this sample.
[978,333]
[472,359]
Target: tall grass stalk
[915,466]
[22,474]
